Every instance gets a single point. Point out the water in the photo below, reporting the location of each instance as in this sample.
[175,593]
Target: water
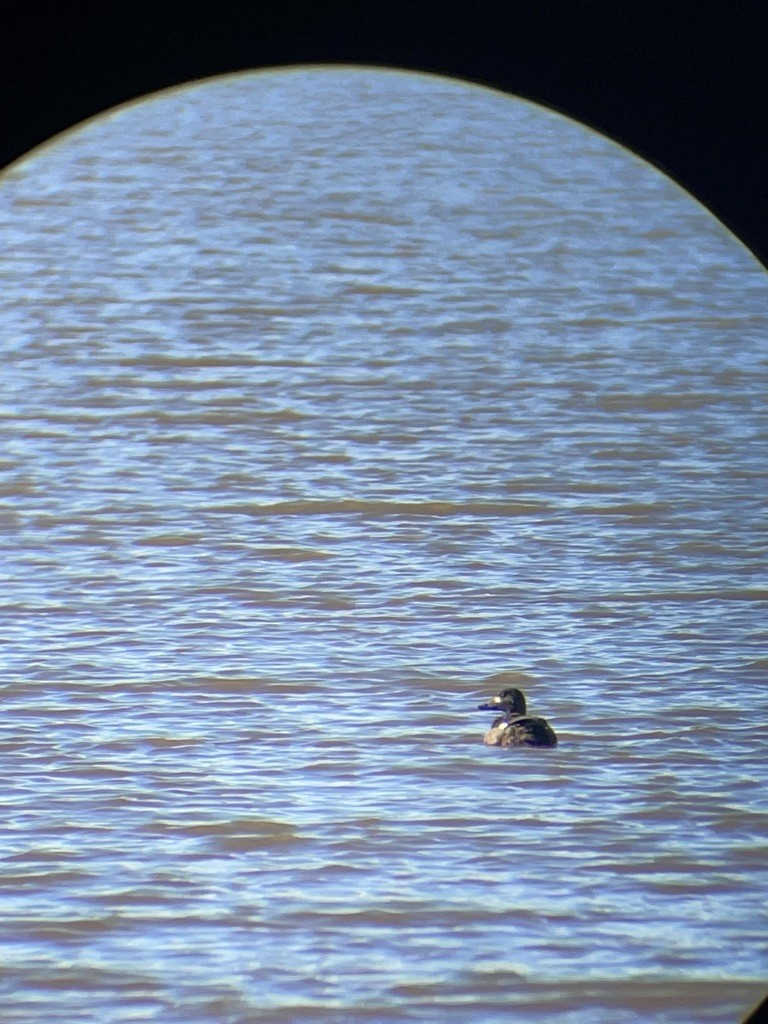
[325,394]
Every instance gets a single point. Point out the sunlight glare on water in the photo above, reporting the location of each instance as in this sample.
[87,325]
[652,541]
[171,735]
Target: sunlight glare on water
[327,393]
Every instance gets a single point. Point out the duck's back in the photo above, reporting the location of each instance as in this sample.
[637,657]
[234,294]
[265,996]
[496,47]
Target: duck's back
[526,731]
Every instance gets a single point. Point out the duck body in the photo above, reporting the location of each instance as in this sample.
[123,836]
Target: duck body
[520,731]
[514,727]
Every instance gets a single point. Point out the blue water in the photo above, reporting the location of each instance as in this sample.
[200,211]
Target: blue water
[327,393]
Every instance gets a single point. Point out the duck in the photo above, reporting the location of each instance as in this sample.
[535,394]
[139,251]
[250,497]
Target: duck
[514,727]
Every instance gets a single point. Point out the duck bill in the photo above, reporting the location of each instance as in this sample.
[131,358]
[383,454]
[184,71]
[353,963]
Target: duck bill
[489,705]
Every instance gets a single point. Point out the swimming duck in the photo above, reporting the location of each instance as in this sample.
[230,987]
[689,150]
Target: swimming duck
[515,728]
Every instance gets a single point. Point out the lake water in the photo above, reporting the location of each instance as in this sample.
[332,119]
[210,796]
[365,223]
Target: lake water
[325,394]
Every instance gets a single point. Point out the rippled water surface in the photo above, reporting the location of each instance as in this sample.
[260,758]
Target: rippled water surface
[326,394]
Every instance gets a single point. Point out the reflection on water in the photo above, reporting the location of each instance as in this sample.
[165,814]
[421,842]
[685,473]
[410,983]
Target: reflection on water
[325,394]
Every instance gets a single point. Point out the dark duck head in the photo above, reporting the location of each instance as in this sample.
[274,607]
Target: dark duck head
[511,701]
[513,727]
